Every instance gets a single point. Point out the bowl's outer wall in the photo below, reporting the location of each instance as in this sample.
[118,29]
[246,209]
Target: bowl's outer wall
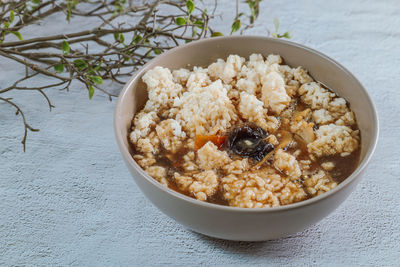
[230,224]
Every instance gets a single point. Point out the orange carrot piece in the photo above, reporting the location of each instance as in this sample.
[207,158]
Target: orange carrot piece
[201,140]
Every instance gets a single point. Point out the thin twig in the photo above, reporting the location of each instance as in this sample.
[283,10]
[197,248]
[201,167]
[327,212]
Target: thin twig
[26,125]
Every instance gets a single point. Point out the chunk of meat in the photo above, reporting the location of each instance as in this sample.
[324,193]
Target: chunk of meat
[314,95]
[209,157]
[259,189]
[201,185]
[287,164]
[332,139]
[228,70]
[252,109]
[319,183]
[303,128]
[274,93]
[171,134]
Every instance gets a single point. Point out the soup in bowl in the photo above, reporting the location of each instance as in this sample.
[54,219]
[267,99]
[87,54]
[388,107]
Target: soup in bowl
[245,138]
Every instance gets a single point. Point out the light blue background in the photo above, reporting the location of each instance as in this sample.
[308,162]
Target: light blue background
[69,200]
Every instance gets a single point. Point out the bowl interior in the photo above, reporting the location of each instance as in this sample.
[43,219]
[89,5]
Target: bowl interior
[204,52]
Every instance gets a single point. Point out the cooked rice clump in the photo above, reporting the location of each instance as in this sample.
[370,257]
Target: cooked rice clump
[184,103]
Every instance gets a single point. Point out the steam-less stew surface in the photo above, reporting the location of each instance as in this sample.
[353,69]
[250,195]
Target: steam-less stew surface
[246,133]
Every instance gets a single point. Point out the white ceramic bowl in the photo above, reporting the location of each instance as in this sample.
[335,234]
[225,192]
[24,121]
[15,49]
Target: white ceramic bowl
[240,223]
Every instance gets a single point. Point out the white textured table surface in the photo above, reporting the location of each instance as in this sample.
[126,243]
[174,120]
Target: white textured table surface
[69,200]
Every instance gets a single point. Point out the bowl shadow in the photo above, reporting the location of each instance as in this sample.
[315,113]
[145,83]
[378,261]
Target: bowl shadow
[275,248]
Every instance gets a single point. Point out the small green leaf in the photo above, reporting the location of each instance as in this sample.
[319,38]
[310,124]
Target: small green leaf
[118,7]
[189,6]
[199,22]
[121,38]
[180,21]
[59,68]
[251,4]
[91,91]
[19,36]
[12,16]
[276,24]
[69,14]
[216,34]
[239,15]
[287,35]
[6,24]
[65,47]
[116,35]
[137,39]
[157,51]
[96,79]
[80,64]
[254,8]
[235,26]
[98,66]
[36,2]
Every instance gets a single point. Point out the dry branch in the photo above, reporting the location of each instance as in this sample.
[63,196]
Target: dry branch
[110,50]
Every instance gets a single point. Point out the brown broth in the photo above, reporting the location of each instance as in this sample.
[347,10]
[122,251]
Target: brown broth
[344,166]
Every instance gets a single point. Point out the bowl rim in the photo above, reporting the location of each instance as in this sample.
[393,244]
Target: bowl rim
[355,174]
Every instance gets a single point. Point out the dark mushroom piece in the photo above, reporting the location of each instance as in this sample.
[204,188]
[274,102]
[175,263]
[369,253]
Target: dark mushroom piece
[249,141]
